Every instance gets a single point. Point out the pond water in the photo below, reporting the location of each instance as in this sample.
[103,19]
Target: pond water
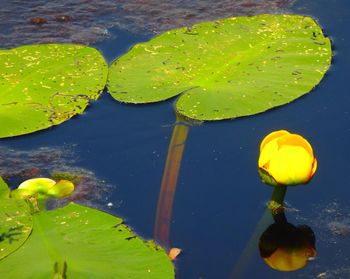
[220,200]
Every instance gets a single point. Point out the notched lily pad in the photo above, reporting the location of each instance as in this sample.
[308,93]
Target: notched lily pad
[225,69]
[44,85]
[81,242]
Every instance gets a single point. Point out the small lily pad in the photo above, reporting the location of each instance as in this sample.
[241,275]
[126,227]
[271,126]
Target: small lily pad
[61,189]
[45,85]
[43,188]
[37,185]
[227,68]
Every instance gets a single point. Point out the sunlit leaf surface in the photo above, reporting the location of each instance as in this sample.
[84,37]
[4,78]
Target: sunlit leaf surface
[225,69]
[80,242]
[4,190]
[15,222]
[44,85]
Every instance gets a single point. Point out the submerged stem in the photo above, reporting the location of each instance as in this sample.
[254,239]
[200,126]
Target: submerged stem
[276,203]
[168,186]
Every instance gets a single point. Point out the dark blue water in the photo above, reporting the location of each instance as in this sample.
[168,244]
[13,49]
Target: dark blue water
[220,198]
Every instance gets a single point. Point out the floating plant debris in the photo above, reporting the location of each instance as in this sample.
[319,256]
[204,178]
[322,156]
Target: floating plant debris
[82,21]
[58,163]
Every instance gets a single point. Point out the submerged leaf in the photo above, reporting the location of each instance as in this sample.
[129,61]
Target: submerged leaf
[45,85]
[225,69]
[80,242]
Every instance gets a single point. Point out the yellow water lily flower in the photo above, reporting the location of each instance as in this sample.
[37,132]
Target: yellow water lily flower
[286,159]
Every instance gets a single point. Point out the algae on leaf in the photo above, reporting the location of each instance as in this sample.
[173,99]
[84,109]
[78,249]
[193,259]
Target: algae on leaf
[81,242]
[44,85]
[227,68]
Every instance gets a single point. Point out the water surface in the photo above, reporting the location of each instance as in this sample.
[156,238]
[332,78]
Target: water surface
[220,198]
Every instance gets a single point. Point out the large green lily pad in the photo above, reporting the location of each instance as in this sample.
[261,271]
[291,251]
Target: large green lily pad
[15,222]
[44,85]
[80,242]
[225,69]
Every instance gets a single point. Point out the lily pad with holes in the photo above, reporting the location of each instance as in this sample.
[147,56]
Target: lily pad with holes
[80,242]
[45,85]
[15,222]
[227,68]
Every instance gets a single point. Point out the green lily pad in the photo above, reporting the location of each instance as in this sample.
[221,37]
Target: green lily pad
[45,85]
[80,242]
[227,68]
[15,222]
[4,189]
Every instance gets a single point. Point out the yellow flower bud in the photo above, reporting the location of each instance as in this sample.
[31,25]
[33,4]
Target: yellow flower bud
[286,159]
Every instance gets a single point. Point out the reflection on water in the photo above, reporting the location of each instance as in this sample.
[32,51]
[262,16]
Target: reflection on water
[286,247]
[85,22]
[56,162]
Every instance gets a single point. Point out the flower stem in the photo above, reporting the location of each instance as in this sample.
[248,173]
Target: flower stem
[168,186]
[279,194]
[276,204]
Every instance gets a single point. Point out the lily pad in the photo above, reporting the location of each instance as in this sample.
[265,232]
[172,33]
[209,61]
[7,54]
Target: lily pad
[45,85]
[227,68]
[15,222]
[80,242]
[4,189]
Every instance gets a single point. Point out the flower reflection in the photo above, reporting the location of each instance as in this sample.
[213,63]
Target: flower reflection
[286,247]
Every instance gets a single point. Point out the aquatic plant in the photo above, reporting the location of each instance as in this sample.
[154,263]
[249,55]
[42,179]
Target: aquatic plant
[222,70]
[70,242]
[283,246]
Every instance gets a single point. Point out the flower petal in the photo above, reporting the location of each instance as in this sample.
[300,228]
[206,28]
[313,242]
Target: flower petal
[269,150]
[272,136]
[296,140]
[291,165]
